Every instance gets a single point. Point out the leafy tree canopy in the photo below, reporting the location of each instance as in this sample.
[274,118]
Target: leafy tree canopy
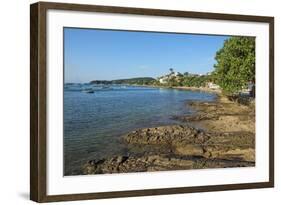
[235,64]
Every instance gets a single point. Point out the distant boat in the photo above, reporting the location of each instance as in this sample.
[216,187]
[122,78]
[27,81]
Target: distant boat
[90,91]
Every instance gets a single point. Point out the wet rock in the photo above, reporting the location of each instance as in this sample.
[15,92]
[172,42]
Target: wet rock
[121,159]
[158,163]
[196,117]
[136,164]
[173,134]
[188,141]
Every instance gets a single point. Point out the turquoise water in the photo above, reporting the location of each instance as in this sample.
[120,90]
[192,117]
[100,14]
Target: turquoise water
[94,122]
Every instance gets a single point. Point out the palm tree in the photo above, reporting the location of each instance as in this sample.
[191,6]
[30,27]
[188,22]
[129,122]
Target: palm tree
[171,70]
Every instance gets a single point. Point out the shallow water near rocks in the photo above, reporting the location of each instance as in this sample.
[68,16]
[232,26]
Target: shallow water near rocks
[94,122]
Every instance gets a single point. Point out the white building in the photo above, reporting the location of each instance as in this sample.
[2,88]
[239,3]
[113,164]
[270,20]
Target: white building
[176,74]
[212,85]
[163,80]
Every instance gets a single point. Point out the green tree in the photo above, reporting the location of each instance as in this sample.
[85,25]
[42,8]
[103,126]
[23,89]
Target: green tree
[172,81]
[235,64]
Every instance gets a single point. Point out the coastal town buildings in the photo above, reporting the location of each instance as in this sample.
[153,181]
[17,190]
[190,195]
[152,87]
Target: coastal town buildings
[165,79]
[212,85]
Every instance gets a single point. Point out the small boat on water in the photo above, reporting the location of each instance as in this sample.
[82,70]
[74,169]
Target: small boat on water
[89,90]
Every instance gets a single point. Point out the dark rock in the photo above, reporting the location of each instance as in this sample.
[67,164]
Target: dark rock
[186,140]
[158,163]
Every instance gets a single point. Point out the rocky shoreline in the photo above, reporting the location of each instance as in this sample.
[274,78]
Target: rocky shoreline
[220,134]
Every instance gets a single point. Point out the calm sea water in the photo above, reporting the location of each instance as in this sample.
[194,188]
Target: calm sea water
[94,122]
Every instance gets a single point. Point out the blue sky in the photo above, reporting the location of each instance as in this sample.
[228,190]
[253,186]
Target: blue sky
[92,54]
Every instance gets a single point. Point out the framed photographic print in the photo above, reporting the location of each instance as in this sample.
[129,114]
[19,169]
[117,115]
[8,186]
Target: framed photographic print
[134,102]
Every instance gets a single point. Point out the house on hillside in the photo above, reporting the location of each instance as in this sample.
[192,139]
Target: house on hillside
[212,85]
[165,79]
[176,74]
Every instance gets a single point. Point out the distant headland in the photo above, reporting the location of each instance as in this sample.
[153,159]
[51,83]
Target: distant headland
[141,81]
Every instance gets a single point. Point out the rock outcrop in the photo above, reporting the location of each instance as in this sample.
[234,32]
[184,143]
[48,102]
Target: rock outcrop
[125,164]
[172,134]
[186,140]
[190,149]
